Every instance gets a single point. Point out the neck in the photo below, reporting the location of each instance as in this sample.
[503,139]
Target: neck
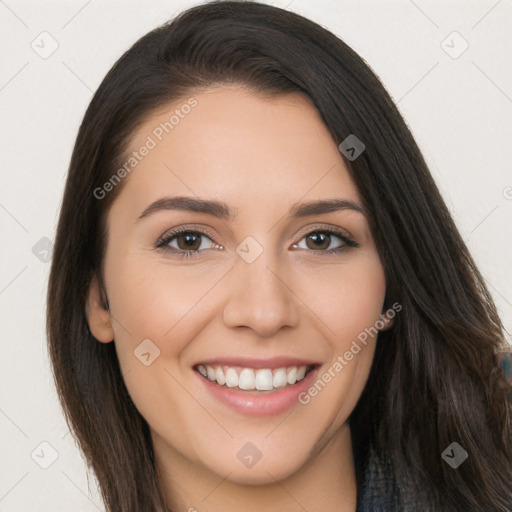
[325,483]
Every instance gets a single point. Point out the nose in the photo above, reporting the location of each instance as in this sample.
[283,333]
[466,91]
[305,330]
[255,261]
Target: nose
[260,296]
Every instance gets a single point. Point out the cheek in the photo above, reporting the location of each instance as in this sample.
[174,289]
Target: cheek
[348,302]
[156,310]
[152,300]
[346,299]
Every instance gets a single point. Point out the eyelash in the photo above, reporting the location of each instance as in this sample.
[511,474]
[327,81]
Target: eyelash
[163,242]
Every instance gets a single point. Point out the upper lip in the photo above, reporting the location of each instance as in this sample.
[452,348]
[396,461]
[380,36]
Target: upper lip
[247,362]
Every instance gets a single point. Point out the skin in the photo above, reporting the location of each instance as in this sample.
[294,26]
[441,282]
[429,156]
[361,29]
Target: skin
[260,155]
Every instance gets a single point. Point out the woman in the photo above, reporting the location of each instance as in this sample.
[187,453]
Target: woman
[258,299]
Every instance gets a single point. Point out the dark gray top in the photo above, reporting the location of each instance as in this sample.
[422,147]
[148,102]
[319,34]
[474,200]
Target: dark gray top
[375,483]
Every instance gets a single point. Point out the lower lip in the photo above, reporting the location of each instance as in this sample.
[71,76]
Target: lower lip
[260,405]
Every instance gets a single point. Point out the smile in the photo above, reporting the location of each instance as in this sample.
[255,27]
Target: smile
[256,387]
[251,379]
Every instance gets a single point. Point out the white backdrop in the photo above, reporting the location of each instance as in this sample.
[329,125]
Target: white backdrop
[457,101]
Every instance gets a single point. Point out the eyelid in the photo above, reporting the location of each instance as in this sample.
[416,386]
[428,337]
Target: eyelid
[200,229]
[321,227]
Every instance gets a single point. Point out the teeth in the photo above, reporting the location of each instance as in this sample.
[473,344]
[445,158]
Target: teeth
[210,372]
[291,376]
[219,376]
[247,379]
[263,380]
[280,380]
[250,379]
[231,378]
[301,372]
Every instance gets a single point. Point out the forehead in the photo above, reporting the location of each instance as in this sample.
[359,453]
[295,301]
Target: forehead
[238,145]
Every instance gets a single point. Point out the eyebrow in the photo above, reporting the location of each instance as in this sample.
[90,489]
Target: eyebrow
[223,211]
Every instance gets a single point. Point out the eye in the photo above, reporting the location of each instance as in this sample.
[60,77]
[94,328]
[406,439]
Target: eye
[186,242]
[322,240]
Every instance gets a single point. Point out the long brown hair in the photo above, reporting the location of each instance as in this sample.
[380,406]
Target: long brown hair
[435,378]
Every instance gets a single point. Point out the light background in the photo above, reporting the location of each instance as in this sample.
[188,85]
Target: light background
[459,109]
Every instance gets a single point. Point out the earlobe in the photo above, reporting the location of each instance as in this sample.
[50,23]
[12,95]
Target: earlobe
[386,322]
[98,315]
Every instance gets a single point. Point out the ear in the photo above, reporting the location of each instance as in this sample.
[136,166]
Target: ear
[387,320]
[98,315]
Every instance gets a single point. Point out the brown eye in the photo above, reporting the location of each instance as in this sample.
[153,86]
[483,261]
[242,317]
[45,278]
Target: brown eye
[322,241]
[319,240]
[191,241]
[186,242]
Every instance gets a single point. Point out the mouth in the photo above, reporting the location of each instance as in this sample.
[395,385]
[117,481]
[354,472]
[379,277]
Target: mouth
[259,388]
[254,380]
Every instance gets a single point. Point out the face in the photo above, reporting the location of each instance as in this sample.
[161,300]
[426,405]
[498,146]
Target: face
[264,294]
